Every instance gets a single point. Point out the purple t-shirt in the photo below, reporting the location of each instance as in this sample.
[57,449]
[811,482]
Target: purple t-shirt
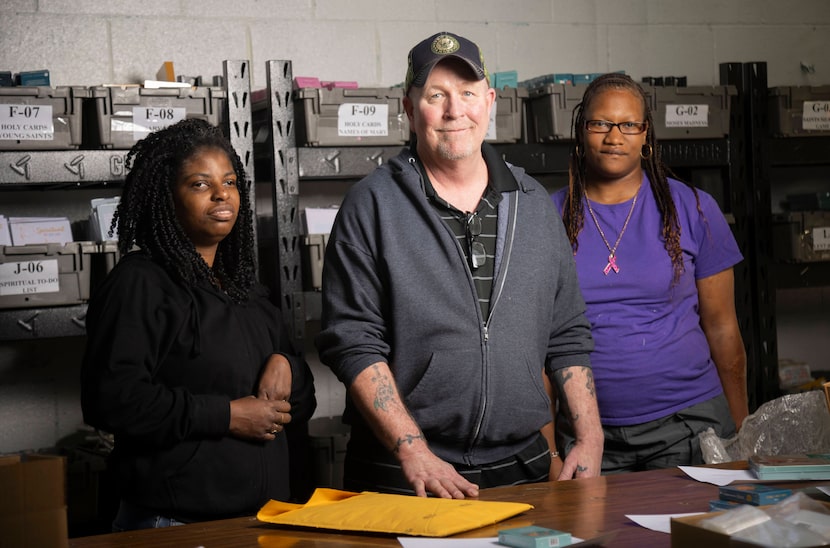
[651,357]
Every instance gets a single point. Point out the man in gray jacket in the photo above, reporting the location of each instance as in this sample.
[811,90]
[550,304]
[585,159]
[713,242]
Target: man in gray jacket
[449,290]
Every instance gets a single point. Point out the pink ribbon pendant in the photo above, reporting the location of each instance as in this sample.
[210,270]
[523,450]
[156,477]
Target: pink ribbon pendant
[612,265]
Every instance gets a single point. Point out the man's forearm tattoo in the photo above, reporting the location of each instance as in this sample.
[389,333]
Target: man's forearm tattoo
[408,439]
[385,393]
[563,376]
[589,384]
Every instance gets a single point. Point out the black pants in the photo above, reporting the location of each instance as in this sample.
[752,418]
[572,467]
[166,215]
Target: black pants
[370,467]
[662,443]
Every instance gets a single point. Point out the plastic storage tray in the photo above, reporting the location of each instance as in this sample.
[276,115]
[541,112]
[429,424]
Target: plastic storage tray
[796,111]
[695,112]
[123,115]
[509,116]
[350,117]
[549,111]
[41,117]
[801,237]
[39,275]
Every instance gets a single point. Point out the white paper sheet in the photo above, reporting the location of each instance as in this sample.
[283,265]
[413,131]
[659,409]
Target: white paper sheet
[717,476]
[657,522]
[486,542]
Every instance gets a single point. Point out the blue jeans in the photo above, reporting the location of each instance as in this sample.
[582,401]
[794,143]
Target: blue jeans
[131,517]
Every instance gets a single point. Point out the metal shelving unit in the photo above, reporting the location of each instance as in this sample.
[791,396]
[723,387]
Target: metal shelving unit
[47,170]
[733,158]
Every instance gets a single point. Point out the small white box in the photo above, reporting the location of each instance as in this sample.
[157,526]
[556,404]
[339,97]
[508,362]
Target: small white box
[40,230]
[318,220]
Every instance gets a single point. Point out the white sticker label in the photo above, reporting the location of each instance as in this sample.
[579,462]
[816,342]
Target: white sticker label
[26,123]
[687,115]
[821,238]
[149,119]
[26,277]
[816,115]
[363,120]
[492,129]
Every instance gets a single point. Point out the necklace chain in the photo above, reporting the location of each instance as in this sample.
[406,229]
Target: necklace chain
[612,251]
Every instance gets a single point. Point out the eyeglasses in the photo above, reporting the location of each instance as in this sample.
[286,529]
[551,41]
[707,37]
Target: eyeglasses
[476,252]
[626,128]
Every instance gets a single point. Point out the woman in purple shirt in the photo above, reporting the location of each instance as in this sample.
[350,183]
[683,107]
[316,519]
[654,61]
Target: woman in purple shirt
[654,258]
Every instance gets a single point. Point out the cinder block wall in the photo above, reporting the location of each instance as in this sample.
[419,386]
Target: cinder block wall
[89,42]
[92,42]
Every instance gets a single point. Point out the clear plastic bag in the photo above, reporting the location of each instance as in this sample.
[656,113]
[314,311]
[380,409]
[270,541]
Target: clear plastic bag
[791,424]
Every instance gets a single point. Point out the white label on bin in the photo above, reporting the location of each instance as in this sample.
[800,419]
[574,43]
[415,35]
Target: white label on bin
[149,119]
[26,123]
[27,277]
[687,115]
[821,238]
[363,120]
[816,115]
[491,129]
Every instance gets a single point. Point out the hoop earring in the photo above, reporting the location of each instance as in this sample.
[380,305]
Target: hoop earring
[650,152]
[578,151]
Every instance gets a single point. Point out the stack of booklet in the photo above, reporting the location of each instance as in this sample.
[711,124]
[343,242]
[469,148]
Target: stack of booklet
[809,466]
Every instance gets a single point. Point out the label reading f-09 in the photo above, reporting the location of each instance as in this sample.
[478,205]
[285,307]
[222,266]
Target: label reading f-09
[363,120]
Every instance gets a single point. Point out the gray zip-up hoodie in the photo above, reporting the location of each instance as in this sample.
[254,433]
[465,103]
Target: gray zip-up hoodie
[397,289]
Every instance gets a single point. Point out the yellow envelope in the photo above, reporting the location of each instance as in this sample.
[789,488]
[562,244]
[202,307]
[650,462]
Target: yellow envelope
[383,513]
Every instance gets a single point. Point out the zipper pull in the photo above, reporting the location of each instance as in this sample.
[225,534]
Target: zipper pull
[486,333]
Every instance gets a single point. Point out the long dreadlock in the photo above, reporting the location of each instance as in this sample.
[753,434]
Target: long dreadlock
[146,216]
[572,209]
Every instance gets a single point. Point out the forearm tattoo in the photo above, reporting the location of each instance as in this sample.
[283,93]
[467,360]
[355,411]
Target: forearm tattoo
[562,377]
[408,439]
[385,393]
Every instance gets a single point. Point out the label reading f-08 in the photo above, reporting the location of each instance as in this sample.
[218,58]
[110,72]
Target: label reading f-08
[148,119]
[27,277]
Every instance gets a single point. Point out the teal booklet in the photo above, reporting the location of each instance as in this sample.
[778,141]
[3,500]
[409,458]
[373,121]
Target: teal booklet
[809,466]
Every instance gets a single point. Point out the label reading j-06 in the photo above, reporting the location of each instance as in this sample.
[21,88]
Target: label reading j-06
[363,120]
[26,277]
[26,123]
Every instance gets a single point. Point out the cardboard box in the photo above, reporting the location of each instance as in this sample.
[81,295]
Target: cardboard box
[686,532]
[33,504]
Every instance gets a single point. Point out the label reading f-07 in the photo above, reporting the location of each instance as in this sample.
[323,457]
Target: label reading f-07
[26,123]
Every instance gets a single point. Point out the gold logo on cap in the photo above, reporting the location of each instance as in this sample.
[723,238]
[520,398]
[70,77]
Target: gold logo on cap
[445,44]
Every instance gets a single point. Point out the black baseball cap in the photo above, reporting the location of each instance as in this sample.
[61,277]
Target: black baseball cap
[427,53]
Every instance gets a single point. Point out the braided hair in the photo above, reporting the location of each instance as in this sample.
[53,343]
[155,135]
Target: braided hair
[146,215]
[573,212]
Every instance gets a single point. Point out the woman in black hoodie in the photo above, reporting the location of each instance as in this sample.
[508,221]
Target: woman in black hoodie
[187,362]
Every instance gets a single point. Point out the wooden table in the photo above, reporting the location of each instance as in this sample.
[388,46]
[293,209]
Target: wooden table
[586,508]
